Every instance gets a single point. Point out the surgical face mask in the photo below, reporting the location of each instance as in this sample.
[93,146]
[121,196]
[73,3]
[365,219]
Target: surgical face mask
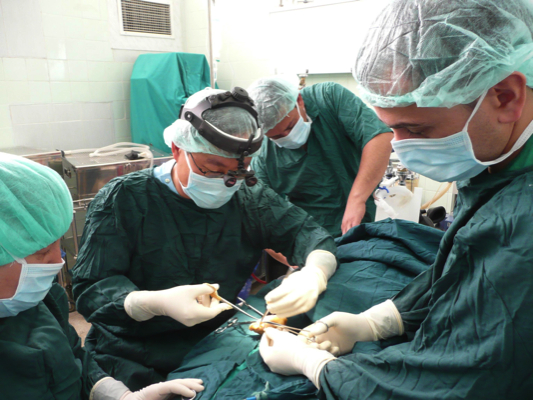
[208,192]
[451,158]
[298,135]
[34,283]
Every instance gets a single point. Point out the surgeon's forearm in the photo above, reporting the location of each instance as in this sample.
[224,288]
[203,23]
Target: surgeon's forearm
[280,258]
[374,162]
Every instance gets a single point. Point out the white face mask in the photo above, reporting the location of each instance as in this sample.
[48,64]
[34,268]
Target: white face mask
[298,135]
[206,192]
[450,158]
[34,283]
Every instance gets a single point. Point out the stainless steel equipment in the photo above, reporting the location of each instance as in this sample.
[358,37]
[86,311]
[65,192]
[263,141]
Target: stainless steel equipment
[405,176]
[48,157]
[86,175]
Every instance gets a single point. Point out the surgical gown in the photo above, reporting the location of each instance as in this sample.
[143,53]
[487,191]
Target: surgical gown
[376,261]
[469,316]
[319,178]
[41,355]
[139,235]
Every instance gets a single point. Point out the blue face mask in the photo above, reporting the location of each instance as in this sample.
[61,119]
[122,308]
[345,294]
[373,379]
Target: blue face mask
[34,283]
[451,158]
[208,192]
[298,135]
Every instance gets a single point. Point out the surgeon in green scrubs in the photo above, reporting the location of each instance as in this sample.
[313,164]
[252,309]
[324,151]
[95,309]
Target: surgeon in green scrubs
[41,356]
[454,80]
[153,238]
[326,150]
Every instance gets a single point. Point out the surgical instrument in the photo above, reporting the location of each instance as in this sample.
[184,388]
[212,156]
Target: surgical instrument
[223,300]
[232,322]
[249,305]
[215,295]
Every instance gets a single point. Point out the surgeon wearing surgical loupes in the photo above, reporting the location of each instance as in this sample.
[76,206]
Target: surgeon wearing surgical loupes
[154,237]
[454,81]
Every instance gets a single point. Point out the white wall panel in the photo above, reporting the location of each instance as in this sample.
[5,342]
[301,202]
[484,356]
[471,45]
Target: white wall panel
[23,28]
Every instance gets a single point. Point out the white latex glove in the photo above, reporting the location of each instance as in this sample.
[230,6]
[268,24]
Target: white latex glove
[186,304]
[339,331]
[299,292]
[285,354]
[161,391]
[111,389]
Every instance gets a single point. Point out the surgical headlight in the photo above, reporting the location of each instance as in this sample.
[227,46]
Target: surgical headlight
[238,97]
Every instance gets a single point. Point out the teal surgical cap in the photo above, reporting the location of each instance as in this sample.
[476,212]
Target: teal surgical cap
[274,98]
[234,121]
[36,207]
[441,53]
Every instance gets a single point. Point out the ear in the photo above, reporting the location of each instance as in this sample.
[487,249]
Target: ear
[509,97]
[301,105]
[175,152]
[300,101]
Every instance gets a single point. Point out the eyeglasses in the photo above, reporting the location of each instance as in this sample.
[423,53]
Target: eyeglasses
[231,177]
[208,173]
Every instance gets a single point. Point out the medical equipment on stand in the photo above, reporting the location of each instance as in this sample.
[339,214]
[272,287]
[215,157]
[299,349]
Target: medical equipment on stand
[393,199]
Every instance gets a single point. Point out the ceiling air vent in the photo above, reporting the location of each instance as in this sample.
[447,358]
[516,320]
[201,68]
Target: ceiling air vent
[146,18]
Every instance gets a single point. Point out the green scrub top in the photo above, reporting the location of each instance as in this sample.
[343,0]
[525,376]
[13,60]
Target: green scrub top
[41,355]
[468,317]
[139,235]
[319,179]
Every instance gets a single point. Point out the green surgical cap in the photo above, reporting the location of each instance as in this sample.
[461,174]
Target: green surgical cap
[234,121]
[441,53]
[274,98]
[36,207]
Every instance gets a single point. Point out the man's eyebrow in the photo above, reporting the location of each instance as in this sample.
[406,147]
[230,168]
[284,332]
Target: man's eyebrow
[215,162]
[405,125]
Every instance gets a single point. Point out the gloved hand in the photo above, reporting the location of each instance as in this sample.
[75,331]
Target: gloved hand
[111,389]
[339,331]
[186,304]
[285,354]
[299,292]
[161,391]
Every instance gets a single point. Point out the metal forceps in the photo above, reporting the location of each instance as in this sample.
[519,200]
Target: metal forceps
[235,322]
[231,323]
